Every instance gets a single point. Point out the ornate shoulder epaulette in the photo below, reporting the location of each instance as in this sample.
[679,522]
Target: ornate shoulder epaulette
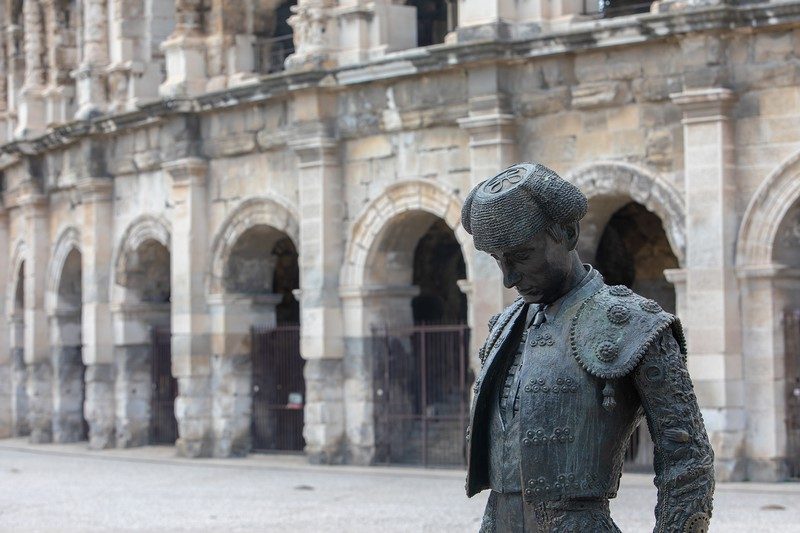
[497,324]
[612,331]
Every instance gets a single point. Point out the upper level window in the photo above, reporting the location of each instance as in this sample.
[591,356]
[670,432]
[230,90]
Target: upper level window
[275,40]
[615,8]
[435,19]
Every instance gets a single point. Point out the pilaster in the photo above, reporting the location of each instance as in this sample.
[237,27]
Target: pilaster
[185,52]
[712,293]
[90,74]
[766,291]
[31,109]
[368,30]
[191,339]
[96,320]
[321,249]
[6,388]
[37,349]
[493,147]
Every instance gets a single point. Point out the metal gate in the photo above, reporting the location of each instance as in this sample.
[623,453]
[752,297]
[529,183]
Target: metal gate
[279,388]
[792,393]
[422,382]
[163,425]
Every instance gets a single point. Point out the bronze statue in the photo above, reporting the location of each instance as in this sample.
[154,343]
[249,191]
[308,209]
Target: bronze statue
[567,372]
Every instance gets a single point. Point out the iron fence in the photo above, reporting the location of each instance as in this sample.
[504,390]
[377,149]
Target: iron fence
[422,383]
[792,392]
[271,54]
[611,8]
[278,388]
[163,425]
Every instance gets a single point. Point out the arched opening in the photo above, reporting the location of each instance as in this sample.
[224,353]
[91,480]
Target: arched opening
[634,251]
[435,19]
[146,388]
[274,36]
[421,345]
[786,252]
[263,357]
[19,395]
[69,420]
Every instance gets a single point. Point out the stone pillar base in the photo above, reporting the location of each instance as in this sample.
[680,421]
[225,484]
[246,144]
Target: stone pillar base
[193,411]
[68,394]
[768,470]
[19,396]
[232,405]
[99,405]
[133,393]
[359,391]
[323,427]
[40,402]
[6,417]
[730,469]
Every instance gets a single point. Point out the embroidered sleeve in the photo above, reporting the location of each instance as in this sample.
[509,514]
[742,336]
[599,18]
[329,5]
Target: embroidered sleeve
[684,460]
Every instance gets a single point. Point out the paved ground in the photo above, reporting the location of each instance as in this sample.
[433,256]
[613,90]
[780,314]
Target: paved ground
[65,488]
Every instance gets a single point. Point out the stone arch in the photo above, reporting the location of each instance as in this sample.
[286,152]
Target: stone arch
[765,213]
[398,199]
[68,240]
[142,229]
[622,183]
[263,211]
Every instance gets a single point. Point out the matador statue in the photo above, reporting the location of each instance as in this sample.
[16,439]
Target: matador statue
[568,371]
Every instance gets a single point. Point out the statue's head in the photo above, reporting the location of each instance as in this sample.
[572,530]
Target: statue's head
[527,217]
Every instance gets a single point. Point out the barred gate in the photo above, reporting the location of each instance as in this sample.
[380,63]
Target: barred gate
[792,393]
[279,388]
[422,383]
[163,425]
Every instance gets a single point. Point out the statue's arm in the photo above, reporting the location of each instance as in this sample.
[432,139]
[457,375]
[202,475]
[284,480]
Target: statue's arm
[684,460]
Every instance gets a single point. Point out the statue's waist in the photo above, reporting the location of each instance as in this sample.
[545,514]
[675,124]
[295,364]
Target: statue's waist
[568,504]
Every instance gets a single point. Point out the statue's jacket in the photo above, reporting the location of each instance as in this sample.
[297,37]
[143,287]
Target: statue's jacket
[606,358]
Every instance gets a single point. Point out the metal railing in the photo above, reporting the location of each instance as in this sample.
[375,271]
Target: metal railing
[791,320]
[271,54]
[163,425]
[614,8]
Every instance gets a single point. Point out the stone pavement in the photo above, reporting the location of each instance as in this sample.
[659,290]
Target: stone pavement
[66,488]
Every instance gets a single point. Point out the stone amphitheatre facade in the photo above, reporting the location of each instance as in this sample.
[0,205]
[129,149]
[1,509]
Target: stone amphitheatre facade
[202,167]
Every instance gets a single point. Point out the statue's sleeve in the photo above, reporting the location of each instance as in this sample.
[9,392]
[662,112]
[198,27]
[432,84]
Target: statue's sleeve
[684,460]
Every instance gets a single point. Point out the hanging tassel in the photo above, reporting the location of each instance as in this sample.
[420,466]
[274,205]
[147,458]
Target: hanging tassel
[609,403]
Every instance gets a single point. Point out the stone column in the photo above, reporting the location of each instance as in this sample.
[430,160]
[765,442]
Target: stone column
[59,93]
[37,349]
[90,74]
[677,276]
[133,75]
[315,35]
[68,370]
[712,306]
[191,332]
[6,388]
[31,110]
[766,293]
[370,30]
[493,147]
[96,325]
[321,249]
[185,52]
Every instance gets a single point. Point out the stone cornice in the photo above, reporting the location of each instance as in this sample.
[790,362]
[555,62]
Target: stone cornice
[580,35]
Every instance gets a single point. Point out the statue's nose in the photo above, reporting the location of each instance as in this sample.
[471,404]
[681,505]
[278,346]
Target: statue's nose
[511,278]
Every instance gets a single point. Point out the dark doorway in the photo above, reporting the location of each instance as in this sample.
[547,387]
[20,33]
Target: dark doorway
[163,425]
[279,388]
[438,265]
[435,19]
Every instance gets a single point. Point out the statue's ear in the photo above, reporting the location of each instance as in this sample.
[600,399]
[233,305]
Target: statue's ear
[572,231]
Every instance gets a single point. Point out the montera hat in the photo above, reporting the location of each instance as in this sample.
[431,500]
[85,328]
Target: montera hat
[510,208]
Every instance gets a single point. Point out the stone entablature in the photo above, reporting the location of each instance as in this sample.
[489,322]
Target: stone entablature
[333,153]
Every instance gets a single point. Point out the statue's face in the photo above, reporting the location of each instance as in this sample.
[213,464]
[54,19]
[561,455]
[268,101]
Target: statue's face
[537,269]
